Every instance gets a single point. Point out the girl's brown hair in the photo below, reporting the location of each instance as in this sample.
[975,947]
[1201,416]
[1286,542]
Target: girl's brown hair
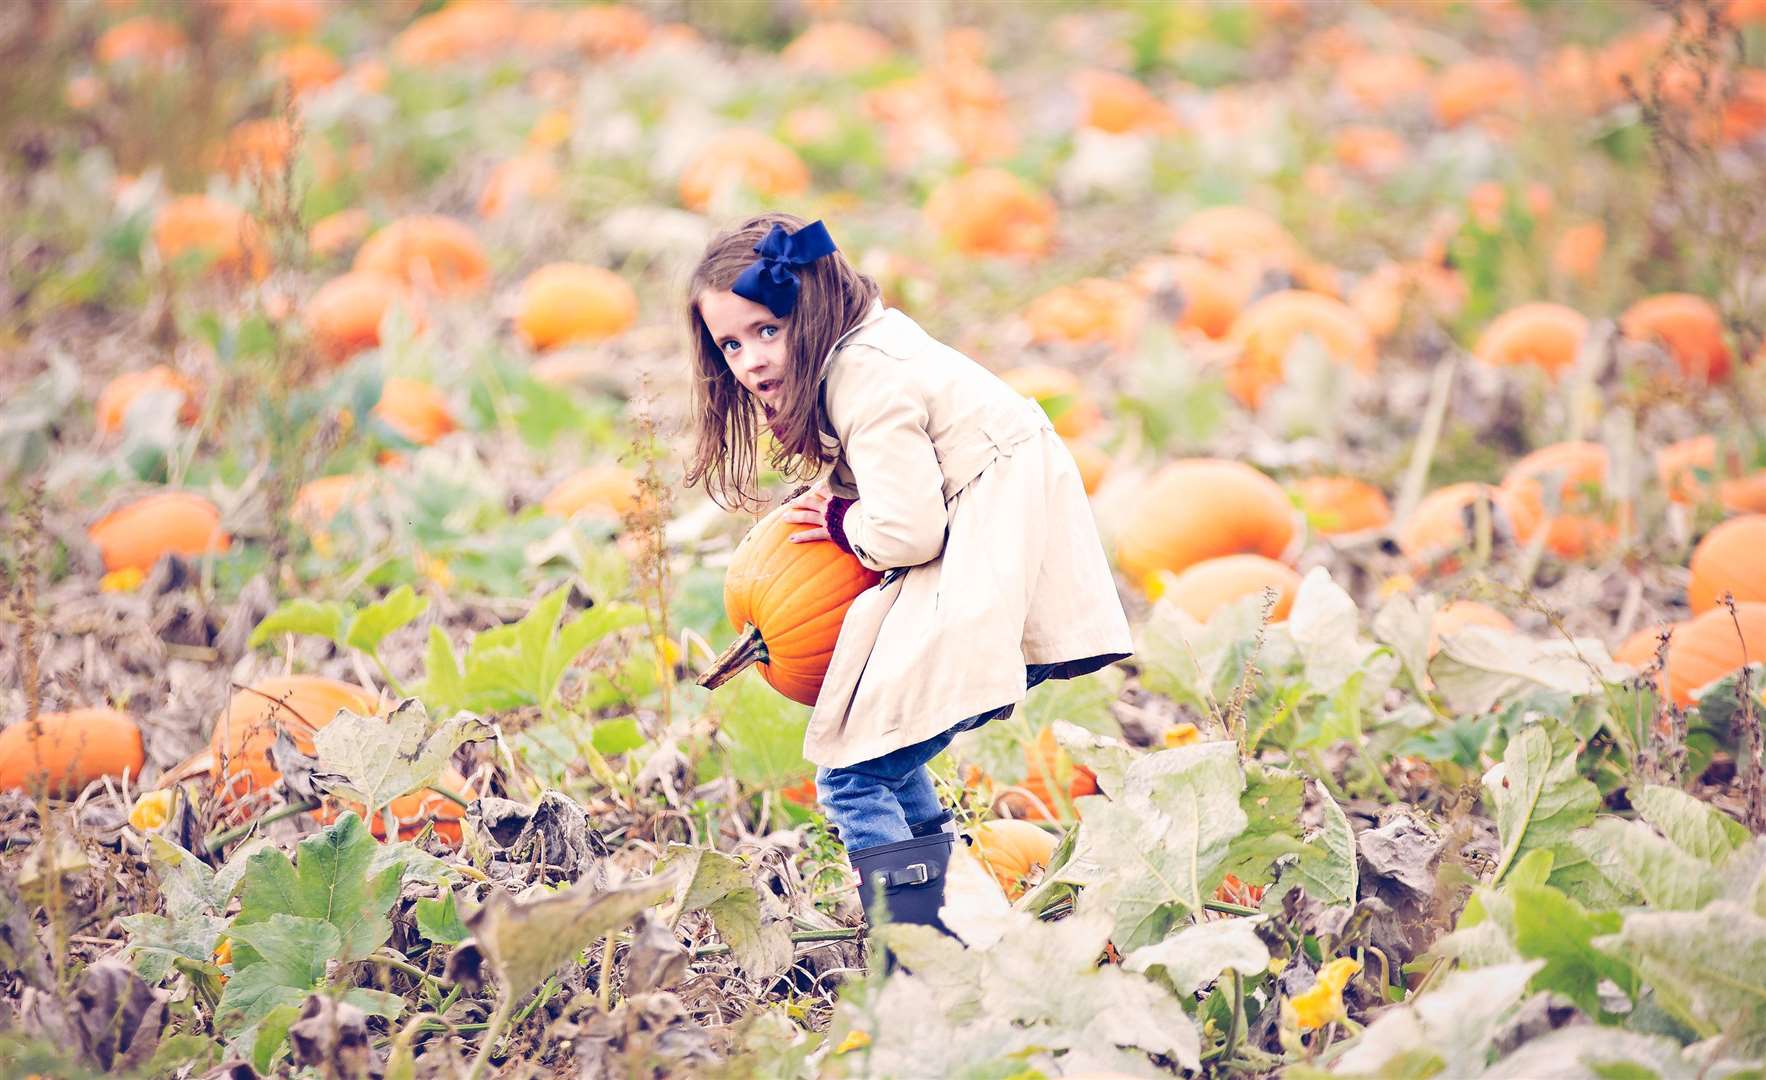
[833,298]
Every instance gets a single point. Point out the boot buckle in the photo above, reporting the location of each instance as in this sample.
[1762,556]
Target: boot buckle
[915,874]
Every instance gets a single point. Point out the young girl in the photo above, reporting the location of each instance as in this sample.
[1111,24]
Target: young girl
[937,474]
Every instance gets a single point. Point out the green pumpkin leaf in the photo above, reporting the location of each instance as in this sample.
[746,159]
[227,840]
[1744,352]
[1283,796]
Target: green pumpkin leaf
[370,625]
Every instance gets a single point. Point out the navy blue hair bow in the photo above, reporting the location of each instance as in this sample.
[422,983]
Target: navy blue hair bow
[769,279]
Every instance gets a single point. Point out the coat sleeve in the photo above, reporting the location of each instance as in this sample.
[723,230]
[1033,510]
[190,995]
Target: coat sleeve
[880,417]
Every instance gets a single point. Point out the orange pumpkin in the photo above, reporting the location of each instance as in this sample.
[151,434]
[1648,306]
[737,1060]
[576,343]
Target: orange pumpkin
[334,233]
[1380,80]
[1335,505]
[225,235]
[1089,311]
[788,601]
[1578,251]
[258,147]
[1092,462]
[1729,560]
[1203,508]
[118,394]
[1688,327]
[1370,149]
[1679,464]
[1639,650]
[1477,87]
[412,811]
[472,29]
[65,751]
[290,17]
[429,252]
[344,315]
[141,40]
[1580,526]
[742,157]
[1709,647]
[320,500]
[416,410]
[602,30]
[1208,297]
[515,181]
[1459,614]
[1212,584]
[165,523]
[566,302]
[992,212]
[1229,235]
[605,490]
[1060,394]
[1548,336]
[1441,524]
[1265,331]
[1118,104]
[1046,764]
[836,47]
[1487,202]
[1013,852]
[298,704]
[304,66]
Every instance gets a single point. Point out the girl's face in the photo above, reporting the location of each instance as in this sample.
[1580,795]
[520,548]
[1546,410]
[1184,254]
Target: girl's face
[751,341]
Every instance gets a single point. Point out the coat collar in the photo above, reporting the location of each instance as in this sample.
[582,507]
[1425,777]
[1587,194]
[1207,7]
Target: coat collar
[872,317]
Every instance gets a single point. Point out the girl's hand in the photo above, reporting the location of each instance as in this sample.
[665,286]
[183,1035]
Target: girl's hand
[810,508]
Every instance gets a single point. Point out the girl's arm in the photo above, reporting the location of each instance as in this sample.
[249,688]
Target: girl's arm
[899,518]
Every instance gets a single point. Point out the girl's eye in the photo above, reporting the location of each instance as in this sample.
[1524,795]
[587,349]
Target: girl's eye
[768,331]
[731,345]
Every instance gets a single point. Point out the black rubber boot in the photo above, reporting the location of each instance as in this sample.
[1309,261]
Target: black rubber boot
[912,874]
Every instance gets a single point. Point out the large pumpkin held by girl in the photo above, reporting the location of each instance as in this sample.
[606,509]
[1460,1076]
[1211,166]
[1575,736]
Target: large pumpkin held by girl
[788,601]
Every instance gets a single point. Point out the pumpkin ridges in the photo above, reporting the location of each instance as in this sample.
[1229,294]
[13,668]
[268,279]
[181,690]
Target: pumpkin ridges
[1201,508]
[1010,850]
[69,750]
[1707,648]
[139,533]
[1728,560]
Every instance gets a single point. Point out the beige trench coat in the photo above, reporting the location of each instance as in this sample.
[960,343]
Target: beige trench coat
[965,485]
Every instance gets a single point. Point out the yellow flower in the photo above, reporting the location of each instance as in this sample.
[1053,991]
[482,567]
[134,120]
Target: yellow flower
[1324,1002]
[224,951]
[436,570]
[1183,734]
[550,130]
[855,1040]
[1396,584]
[152,810]
[128,579]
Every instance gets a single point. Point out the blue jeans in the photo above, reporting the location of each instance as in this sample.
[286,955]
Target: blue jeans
[878,801]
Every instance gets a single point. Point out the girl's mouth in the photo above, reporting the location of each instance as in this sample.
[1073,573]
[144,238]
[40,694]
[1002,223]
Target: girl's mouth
[766,386]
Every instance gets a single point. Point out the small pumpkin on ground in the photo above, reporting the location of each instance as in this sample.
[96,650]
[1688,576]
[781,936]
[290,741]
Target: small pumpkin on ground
[1582,524]
[1203,508]
[788,601]
[1014,852]
[298,704]
[120,393]
[1443,523]
[1205,587]
[428,252]
[1688,327]
[344,315]
[1730,559]
[746,158]
[412,811]
[226,235]
[1048,768]
[65,751]
[1547,336]
[1336,505]
[1089,311]
[139,533]
[1265,331]
[990,211]
[416,410]
[565,302]
[1710,647]
[605,490]
[1459,614]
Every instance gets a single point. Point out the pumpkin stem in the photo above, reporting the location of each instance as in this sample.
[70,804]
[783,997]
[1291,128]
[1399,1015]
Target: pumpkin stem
[748,648]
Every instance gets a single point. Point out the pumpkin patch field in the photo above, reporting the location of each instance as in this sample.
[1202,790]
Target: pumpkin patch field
[378,700]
